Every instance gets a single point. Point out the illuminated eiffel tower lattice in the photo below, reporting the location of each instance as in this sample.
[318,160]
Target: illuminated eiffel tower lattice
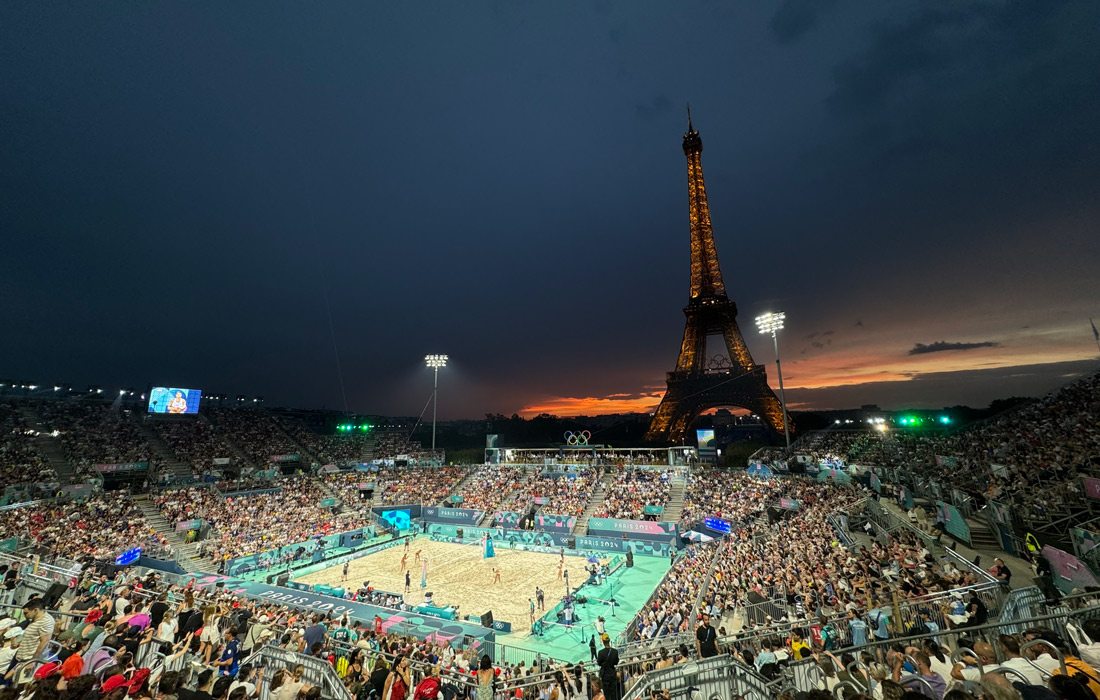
[697,384]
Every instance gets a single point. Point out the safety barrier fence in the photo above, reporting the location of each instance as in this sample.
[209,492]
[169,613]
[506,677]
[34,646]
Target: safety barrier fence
[894,523]
[719,677]
[891,523]
[841,534]
[147,655]
[939,610]
[934,610]
[708,579]
[722,677]
[316,672]
[807,674]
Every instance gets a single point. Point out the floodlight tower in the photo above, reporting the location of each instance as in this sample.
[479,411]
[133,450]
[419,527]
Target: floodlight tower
[772,322]
[435,362]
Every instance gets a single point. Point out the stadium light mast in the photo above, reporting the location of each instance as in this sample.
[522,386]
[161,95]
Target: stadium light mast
[772,323]
[435,362]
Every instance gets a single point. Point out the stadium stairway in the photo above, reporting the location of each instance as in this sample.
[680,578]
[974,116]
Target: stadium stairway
[343,507]
[49,446]
[239,454]
[460,485]
[528,474]
[675,506]
[185,552]
[981,537]
[595,501]
[175,466]
[1022,572]
[309,455]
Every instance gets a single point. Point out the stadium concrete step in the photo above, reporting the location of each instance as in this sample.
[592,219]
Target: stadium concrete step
[161,449]
[344,507]
[981,537]
[595,502]
[461,484]
[309,455]
[240,455]
[675,506]
[521,487]
[1022,571]
[186,553]
[49,446]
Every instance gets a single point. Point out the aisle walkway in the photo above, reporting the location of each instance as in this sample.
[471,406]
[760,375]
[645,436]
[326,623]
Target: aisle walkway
[1022,573]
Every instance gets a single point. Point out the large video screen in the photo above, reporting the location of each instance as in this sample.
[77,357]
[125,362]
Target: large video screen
[400,519]
[704,437]
[172,400]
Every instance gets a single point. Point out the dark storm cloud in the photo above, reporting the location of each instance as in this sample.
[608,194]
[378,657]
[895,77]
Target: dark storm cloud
[947,79]
[190,194]
[796,17]
[942,346]
[658,106]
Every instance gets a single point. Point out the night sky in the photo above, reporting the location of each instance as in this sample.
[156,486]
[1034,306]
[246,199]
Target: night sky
[259,197]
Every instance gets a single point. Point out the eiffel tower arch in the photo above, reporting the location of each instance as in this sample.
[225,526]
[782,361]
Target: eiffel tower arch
[696,386]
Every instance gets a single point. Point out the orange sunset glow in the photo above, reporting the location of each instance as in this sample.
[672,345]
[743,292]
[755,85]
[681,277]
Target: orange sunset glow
[885,359]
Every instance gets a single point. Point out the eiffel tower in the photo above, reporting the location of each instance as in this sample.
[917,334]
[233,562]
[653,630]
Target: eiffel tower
[696,384]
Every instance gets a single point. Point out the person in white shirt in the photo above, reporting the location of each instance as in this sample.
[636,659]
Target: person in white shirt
[244,680]
[970,669]
[1090,652]
[120,605]
[168,627]
[12,637]
[938,659]
[1010,645]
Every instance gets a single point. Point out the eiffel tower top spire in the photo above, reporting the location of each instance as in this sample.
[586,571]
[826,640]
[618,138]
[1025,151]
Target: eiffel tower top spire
[706,275]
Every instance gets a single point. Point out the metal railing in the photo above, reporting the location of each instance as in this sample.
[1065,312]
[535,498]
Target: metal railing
[805,675]
[316,672]
[929,610]
[707,580]
[717,677]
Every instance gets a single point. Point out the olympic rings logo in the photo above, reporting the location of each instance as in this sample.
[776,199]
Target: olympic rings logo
[579,438]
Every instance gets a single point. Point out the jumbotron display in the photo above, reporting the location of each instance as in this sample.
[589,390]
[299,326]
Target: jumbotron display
[173,400]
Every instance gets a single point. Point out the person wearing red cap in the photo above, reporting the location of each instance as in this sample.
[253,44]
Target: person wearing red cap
[46,670]
[113,683]
[137,683]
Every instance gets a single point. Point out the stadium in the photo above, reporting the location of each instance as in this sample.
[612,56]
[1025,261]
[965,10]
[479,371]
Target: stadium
[811,565]
[625,494]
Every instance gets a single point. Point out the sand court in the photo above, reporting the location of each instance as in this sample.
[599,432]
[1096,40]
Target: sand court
[458,575]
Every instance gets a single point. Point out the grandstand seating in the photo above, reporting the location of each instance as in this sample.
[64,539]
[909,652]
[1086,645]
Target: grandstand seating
[633,490]
[331,449]
[20,461]
[787,574]
[1040,450]
[257,522]
[101,527]
[255,432]
[96,433]
[194,441]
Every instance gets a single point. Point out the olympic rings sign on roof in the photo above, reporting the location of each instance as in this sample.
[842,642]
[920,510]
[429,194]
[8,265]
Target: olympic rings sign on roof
[580,437]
